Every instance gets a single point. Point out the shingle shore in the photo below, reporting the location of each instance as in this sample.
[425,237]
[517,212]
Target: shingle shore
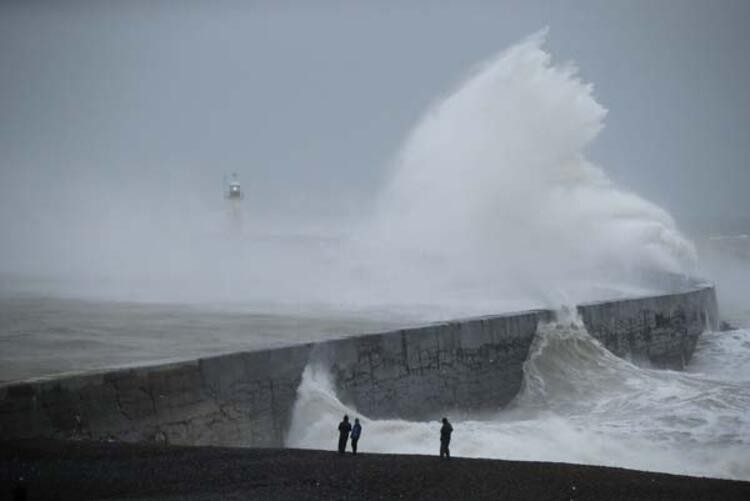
[96,470]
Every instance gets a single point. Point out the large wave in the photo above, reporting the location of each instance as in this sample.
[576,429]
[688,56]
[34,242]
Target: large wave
[493,193]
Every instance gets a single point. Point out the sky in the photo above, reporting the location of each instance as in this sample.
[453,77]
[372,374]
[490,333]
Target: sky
[108,107]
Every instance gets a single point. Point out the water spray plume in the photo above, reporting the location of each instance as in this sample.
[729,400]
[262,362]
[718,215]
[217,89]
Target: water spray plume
[494,187]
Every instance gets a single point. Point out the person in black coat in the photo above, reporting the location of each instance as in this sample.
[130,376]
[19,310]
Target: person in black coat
[344,429]
[445,438]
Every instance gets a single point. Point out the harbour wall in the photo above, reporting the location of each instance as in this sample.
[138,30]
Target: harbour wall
[247,398]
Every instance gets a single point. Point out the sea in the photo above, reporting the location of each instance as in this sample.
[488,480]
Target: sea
[491,206]
[579,403]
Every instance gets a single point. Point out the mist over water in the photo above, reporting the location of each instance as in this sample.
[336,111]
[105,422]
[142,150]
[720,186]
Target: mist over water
[490,205]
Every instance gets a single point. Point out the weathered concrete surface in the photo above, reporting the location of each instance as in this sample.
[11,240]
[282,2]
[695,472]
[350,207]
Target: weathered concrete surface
[238,399]
[660,330]
[247,398]
[421,373]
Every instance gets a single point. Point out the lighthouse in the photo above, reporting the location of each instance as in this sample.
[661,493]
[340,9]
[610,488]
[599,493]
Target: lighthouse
[234,192]
[233,195]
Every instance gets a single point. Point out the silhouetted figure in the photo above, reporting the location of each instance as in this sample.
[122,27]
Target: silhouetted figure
[19,490]
[356,432]
[344,429]
[445,438]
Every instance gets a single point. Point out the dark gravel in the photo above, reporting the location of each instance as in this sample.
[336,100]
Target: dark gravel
[96,470]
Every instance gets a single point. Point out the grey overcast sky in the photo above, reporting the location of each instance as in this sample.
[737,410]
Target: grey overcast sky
[309,101]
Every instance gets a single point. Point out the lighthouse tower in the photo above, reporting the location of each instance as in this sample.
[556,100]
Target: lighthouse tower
[233,195]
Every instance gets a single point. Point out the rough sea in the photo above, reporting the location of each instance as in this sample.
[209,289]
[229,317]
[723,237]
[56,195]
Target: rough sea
[492,207]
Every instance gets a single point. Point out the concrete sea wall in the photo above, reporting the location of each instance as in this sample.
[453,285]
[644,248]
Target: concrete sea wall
[417,373]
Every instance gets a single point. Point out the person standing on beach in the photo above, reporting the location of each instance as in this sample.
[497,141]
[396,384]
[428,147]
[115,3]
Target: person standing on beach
[344,429]
[445,438]
[356,432]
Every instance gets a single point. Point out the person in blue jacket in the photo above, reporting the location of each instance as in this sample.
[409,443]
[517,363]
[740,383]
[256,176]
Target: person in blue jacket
[356,432]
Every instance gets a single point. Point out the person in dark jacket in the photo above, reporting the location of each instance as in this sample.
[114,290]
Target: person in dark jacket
[445,438]
[344,429]
[356,432]
[19,490]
